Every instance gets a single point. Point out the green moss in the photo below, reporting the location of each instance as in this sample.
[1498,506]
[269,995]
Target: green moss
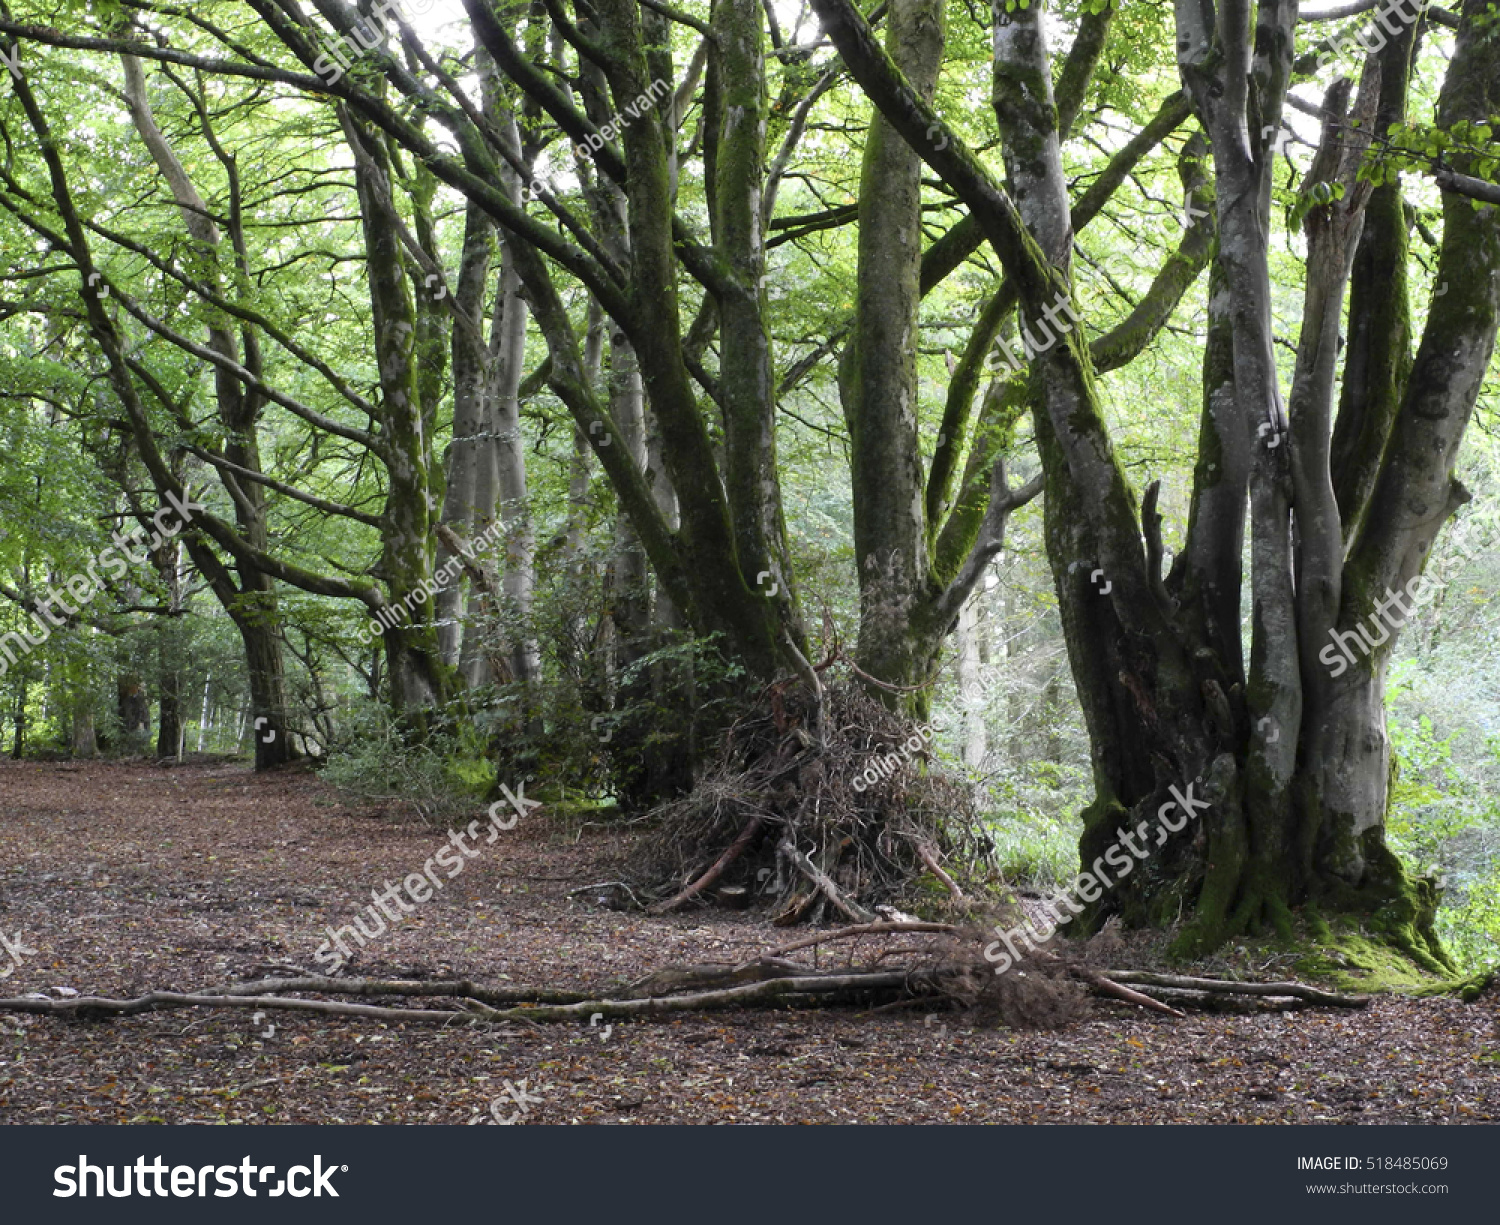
[1352,958]
[1317,925]
[1470,989]
[1281,917]
[1342,955]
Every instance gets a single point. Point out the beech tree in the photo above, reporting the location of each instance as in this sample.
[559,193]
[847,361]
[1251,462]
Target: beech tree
[1342,494]
[635,165]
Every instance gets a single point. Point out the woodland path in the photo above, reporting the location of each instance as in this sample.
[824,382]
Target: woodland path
[128,877]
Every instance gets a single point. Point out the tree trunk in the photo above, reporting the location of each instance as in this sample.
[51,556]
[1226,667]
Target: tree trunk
[253,599]
[967,673]
[169,729]
[878,378]
[922,545]
[203,715]
[508,351]
[267,675]
[18,722]
[419,679]
[134,709]
[469,497]
[82,740]
[1282,766]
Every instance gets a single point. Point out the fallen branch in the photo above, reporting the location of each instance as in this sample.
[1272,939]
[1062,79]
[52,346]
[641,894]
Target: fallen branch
[806,989]
[767,979]
[1107,986]
[460,987]
[820,878]
[673,979]
[1296,991]
[864,929]
[926,854]
[733,852]
[605,884]
[826,987]
[1215,1001]
[90,1007]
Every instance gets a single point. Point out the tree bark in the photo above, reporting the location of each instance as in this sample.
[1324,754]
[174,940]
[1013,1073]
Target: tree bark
[1294,770]
[252,601]
[419,680]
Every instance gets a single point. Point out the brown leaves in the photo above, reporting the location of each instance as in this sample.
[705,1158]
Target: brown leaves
[116,884]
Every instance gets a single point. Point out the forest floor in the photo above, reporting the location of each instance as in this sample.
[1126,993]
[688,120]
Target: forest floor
[130,877]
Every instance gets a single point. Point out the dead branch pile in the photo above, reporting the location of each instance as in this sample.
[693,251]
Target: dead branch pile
[816,808]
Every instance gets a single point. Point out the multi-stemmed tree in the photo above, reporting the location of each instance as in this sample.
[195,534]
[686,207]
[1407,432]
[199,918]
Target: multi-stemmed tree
[1342,495]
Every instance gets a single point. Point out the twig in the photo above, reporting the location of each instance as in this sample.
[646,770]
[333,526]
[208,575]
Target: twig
[604,884]
[809,676]
[887,686]
[929,857]
[864,929]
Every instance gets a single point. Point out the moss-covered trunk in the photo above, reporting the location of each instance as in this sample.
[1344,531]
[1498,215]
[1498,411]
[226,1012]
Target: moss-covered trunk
[1293,763]
[419,680]
[878,377]
[1229,792]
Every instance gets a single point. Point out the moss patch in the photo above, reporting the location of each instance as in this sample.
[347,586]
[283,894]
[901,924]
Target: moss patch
[1351,959]
[1340,954]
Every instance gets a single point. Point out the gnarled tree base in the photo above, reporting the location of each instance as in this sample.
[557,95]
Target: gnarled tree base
[1220,878]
